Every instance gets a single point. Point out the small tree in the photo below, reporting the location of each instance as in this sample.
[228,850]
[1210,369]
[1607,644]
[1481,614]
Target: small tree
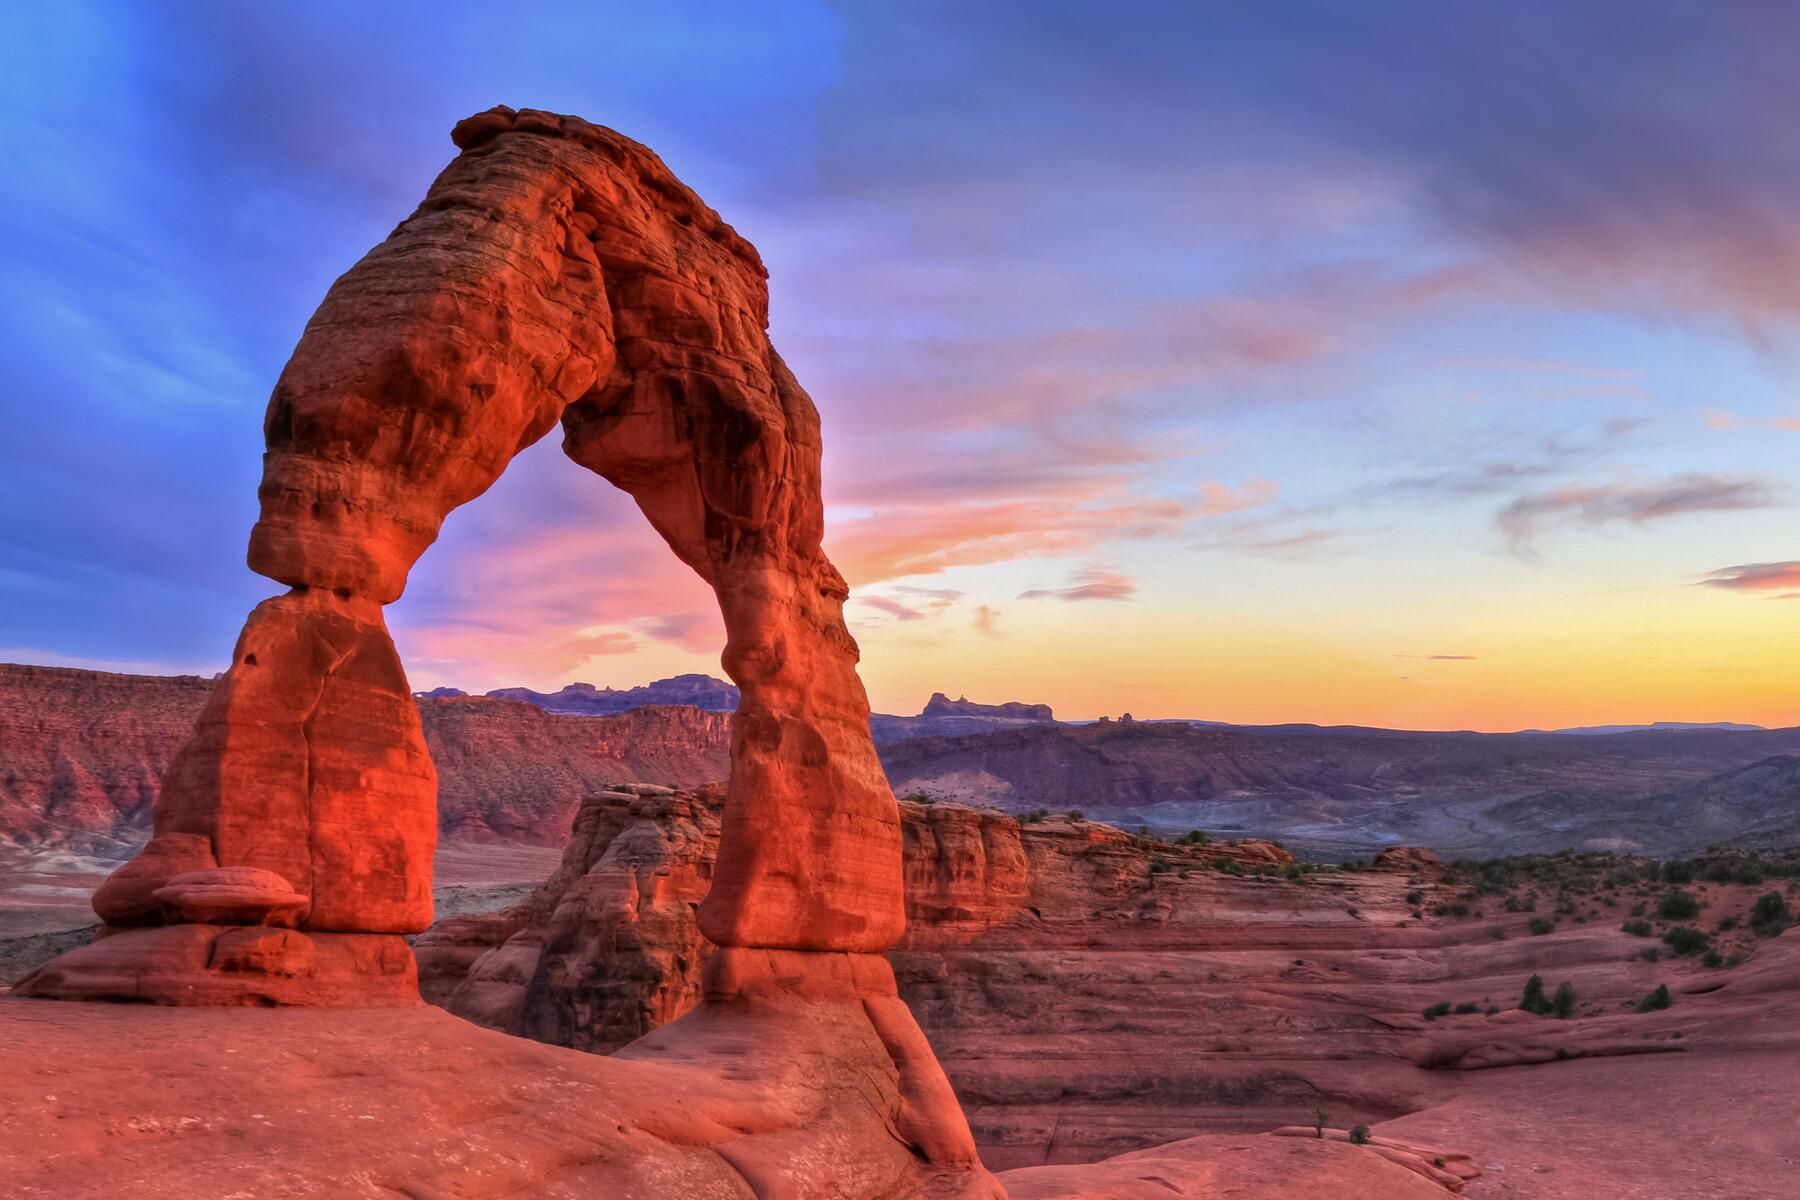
[1659,999]
[1359,1135]
[1769,915]
[1564,1004]
[1685,941]
[1534,1000]
[1677,905]
[1320,1116]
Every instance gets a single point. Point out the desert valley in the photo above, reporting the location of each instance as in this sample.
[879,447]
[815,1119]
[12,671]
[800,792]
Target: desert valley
[1285,959]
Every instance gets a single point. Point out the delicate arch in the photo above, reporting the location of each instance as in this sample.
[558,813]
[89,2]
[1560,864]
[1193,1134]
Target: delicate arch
[554,271]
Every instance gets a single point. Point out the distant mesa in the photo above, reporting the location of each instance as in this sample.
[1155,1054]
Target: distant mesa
[442,693]
[1658,727]
[944,717]
[584,699]
[941,705]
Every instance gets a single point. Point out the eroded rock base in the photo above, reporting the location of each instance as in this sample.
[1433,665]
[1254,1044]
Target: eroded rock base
[225,966]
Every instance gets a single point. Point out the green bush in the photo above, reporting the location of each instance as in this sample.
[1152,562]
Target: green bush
[1540,926]
[1467,1007]
[1359,1135]
[1563,1006]
[1440,1009]
[1678,905]
[1638,928]
[1659,999]
[1684,941]
[1770,915]
[1194,837]
[1534,1000]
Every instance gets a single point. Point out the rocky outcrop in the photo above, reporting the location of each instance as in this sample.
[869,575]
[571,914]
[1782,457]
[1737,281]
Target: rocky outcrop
[609,948]
[944,717]
[83,755]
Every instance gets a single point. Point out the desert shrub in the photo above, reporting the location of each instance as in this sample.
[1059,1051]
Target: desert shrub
[1540,926]
[1685,941]
[1415,898]
[1351,910]
[1035,815]
[1712,960]
[1638,928]
[1074,814]
[1359,1135]
[1659,999]
[1194,837]
[1230,866]
[1293,872]
[1678,905]
[1770,915]
[1678,871]
[1534,1000]
[1726,924]
[1563,1005]
[916,798]
[1527,904]
[1650,953]
[1440,1009]
[1497,933]
[1467,1007]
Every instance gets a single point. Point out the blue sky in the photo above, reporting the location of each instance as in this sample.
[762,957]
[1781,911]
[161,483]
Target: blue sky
[1415,364]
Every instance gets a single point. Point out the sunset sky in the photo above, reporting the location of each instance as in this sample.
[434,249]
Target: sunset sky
[1428,365]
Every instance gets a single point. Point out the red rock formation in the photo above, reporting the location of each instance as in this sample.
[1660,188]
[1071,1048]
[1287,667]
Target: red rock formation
[554,270]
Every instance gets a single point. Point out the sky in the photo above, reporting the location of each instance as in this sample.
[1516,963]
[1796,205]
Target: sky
[1427,365]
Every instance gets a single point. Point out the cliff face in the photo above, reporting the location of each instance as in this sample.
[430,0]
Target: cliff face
[82,754]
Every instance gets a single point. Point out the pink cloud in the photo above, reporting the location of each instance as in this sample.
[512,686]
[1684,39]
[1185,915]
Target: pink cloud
[1092,584]
[1634,503]
[1756,577]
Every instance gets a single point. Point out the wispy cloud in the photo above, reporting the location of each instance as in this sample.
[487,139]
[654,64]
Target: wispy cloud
[1756,577]
[1092,583]
[1440,657]
[1521,521]
[893,608]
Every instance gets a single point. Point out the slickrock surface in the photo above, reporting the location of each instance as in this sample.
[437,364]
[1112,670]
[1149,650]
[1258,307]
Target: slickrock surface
[83,754]
[173,1103]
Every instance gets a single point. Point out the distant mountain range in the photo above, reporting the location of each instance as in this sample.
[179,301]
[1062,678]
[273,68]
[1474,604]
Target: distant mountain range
[1336,791]
[82,755]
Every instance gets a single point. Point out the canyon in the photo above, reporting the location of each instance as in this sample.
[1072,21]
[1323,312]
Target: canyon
[1092,993]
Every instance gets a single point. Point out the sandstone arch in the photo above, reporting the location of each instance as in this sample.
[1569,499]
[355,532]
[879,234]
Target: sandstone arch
[554,271]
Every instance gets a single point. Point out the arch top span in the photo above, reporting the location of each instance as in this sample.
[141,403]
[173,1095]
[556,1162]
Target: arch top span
[555,271]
